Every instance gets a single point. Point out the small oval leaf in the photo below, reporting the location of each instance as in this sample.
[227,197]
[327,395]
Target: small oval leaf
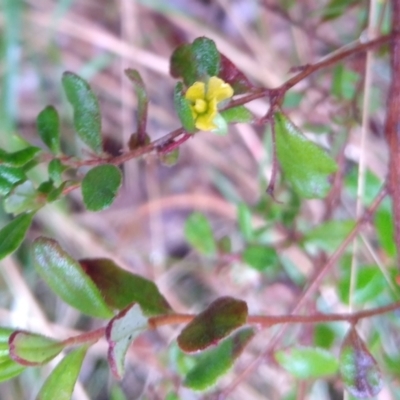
[307,362]
[229,73]
[13,234]
[30,349]
[87,117]
[60,383]
[100,186]
[120,288]
[19,158]
[10,177]
[239,114]
[199,234]
[216,322]
[305,165]
[67,279]
[214,363]
[358,369]
[48,126]
[121,331]
[22,199]
[183,109]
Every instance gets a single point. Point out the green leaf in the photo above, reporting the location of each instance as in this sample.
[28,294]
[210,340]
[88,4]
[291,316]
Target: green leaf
[327,236]
[216,362]
[55,169]
[260,257]
[239,114]
[100,186]
[245,221]
[121,331]
[384,224]
[305,165]
[170,159]
[344,82]
[87,117]
[337,8]
[67,279]
[369,285]
[196,61]
[216,322]
[307,362]
[324,336]
[358,368]
[9,369]
[119,288]
[30,349]
[182,107]
[48,126]
[20,157]
[5,334]
[60,383]
[13,234]
[142,97]
[10,177]
[22,198]
[199,234]
[230,74]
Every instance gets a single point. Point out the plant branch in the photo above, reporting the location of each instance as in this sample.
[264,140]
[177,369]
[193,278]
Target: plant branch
[392,125]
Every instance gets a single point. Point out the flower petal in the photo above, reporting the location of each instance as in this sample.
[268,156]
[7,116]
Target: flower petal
[205,122]
[196,91]
[218,89]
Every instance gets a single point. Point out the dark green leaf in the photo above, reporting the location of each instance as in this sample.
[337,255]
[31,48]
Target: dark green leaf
[121,331]
[216,322]
[56,192]
[119,288]
[196,61]
[31,349]
[13,234]
[337,8]
[18,158]
[87,118]
[48,126]
[143,100]
[100,186]
[9,369]
[324,336]
[260,257]
[307,362]
[217,361]
[183,109]
[229,73]
[60,383]
[305,165]
[10,177]
[358,368]
[199,234]
[67,279]
[239,114]
[22,198]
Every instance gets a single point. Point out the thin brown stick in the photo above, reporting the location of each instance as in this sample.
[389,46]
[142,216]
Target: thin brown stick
[392,126]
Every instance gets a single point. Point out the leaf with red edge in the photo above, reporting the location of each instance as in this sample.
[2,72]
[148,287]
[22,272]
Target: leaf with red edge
[119,288]
[216,322]
[217,361]
[31,349]
[358,368]
[121,331]
[232,75]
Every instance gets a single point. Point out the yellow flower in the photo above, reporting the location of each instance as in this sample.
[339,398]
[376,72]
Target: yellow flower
[204,99]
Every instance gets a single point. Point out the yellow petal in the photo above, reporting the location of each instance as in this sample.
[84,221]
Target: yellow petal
[205,122]
[196,91]
[218,89]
